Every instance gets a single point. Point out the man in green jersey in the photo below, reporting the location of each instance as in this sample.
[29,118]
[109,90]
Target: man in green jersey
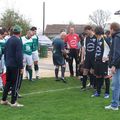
[35,56]
[27,51]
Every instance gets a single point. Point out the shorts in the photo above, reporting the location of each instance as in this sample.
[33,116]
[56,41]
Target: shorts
[101,68]
[58,60]
[89,63]
[27,60]
[35,56]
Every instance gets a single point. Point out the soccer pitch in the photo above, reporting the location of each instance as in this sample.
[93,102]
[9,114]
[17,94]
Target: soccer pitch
[47,99]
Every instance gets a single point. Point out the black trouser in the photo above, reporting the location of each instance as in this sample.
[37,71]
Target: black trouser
[73,54]
[107,85]
[13,81]
[99,84]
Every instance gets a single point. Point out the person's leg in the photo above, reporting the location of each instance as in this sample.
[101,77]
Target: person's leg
[29,63]
[36,68]
[63,73]
[71,66]
[15,85]
[8,84]
[99,84]
[76,54]
[56,72]
[107,84]
[35,58]
[85,73]
[115,88]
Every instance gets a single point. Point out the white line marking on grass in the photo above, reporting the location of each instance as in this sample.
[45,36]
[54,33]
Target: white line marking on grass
[54,90]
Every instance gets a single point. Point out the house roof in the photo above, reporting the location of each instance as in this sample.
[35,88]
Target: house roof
[57,28]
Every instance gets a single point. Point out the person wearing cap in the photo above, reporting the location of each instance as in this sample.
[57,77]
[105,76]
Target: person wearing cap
[35,56]
[14,67]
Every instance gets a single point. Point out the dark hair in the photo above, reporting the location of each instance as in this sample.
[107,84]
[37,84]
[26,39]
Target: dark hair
[33,28]
[115,26]
[107,32]
[1,32]
[99,30]
[88,27]
[5,30]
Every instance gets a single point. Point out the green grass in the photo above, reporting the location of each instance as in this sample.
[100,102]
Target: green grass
[64,104]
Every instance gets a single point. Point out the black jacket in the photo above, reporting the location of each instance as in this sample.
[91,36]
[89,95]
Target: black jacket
[13,53]
[115,50]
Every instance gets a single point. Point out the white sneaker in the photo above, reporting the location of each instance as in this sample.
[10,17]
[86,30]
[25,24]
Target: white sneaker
[109,107]
[106,96]
[4,102]
[16,105]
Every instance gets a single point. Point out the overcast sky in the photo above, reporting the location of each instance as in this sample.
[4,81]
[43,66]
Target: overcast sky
[61,11]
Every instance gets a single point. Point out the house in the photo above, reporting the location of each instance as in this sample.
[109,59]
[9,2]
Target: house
[54,30]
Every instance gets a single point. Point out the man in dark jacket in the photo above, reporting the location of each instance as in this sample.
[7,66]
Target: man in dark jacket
[14,67]
[115,66]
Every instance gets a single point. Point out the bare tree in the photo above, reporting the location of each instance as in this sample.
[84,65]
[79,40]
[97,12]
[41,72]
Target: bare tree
[100,17]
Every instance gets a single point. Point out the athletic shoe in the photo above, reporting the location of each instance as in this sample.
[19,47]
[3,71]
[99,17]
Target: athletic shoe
[16,105]
[63,79]
[109,107]
[26,77]
[1,90]
[83,88]
[37,77]
[19,96]
[95,95]
[106,96]
[4,102]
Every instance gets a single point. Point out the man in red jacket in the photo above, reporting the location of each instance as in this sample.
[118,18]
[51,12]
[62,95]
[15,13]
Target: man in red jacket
[72,39]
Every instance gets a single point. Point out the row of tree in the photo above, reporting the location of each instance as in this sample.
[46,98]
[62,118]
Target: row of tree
[9,18]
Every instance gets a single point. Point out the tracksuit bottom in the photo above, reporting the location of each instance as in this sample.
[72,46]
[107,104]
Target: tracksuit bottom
[13,81]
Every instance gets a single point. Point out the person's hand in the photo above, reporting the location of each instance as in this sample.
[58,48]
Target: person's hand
[104,59]
[113,70]
[21,71]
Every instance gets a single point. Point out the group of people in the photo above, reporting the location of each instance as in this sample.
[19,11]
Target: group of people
[16,53]
[97,56]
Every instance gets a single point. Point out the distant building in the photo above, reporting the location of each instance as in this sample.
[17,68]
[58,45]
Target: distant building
[54,30]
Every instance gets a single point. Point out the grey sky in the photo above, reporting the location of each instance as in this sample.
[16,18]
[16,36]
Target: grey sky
[61,11]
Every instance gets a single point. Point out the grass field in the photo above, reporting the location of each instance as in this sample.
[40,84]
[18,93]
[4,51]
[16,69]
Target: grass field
[47,99]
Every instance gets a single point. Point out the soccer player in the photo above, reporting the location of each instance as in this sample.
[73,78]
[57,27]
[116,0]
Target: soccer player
[101,63]
[27,50]
[35,56]
[88,56]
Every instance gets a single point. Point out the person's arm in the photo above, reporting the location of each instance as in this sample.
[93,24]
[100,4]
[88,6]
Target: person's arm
[116,54]
[19,54]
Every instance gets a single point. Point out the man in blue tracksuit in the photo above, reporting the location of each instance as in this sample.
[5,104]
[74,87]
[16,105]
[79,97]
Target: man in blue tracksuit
[14,67]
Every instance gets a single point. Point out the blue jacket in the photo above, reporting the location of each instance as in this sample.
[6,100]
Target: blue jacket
[13,53]
[115,50]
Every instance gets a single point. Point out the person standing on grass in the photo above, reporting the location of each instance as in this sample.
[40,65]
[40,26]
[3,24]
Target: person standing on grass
[14,67]
[35,55]
[72,39]
[27,51]
[2,43]
[101,63]
[88,57]
[115,66]
[58,56]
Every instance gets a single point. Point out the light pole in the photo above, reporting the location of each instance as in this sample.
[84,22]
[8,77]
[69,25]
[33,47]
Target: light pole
[43,18]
